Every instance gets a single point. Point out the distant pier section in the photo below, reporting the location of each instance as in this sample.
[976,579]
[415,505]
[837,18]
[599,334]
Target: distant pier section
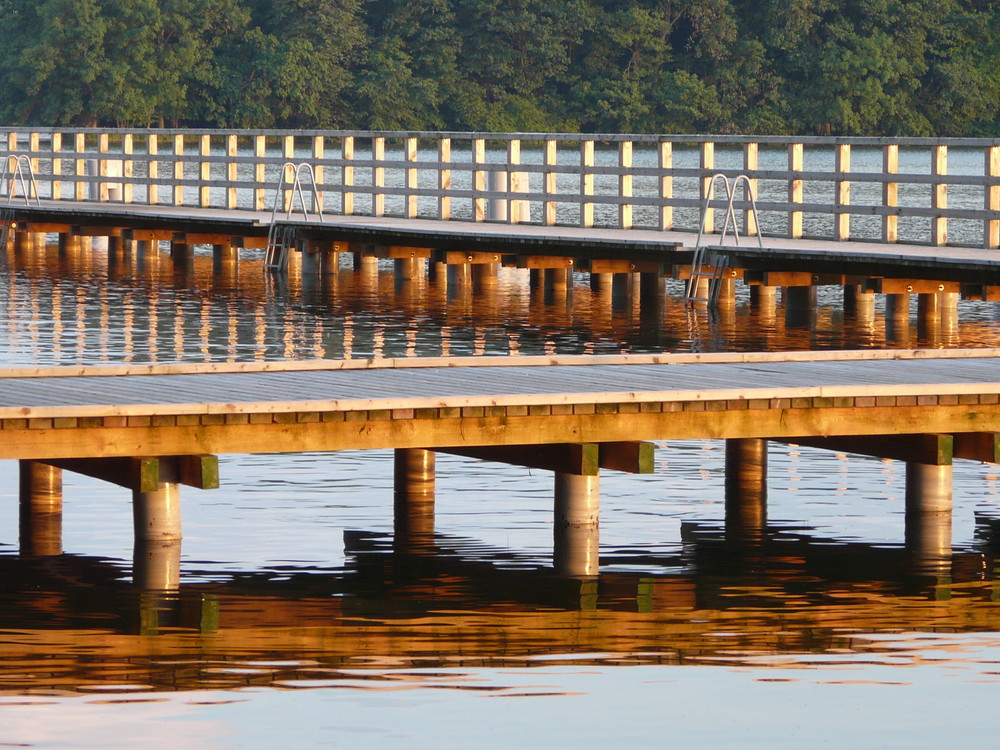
[871,215]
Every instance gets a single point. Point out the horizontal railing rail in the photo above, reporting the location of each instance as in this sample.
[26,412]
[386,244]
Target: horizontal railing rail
[918,190]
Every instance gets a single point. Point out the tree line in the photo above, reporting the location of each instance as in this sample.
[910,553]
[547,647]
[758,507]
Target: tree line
[850,67]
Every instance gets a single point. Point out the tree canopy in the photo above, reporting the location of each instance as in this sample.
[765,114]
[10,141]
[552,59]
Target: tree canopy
[865,67]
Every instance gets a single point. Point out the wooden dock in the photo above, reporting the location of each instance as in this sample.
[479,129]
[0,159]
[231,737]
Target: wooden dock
[152,428]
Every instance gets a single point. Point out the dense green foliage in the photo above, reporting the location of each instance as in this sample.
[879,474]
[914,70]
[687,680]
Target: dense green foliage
[894,67]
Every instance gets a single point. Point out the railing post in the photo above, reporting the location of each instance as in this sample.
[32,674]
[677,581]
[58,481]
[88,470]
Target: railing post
[347,175]
[939,195]
[178,170]
[586,183]
[751,162]
[707,164]
[153,168]
[128,167]
[625,184]
[412,199]
[444,179]
[260,172]
[666,158]
[378,176]
[991,227]
[33,149]
[513,186]
[205,171]
[232,170]
[478,179]
[288,154]
[795,189]
[318,154]
[80,147]
[551,159]
[56,191]
[842,221]
[102,166]
[890,193]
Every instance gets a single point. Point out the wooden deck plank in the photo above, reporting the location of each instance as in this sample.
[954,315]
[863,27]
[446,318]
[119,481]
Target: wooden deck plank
[503,384]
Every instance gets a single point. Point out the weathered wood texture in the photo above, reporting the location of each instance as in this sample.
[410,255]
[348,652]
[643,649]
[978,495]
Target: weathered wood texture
[593,180]
[241,409]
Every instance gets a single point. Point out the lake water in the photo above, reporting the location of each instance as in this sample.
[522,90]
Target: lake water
[299,624]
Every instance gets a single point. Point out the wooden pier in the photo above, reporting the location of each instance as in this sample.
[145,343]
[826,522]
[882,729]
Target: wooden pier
[874,216]
[153,428]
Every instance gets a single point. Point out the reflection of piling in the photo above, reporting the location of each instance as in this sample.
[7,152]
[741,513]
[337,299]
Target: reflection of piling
[413,499]
[897,318]
[928,516]
[746,487]
[156,565]
[576,524]
[40,509]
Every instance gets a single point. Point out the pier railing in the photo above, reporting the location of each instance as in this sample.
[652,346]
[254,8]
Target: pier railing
[920,190]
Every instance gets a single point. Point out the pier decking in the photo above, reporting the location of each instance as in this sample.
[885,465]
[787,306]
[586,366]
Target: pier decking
[151,428]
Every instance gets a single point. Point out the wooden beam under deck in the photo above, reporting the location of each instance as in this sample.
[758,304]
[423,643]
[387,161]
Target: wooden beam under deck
[480,402]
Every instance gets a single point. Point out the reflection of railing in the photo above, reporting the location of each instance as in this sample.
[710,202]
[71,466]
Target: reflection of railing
[930,190]
[718,261]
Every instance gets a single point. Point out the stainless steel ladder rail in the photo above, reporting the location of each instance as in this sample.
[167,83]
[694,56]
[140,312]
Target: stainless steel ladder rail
[281,237]
[717,261]
[11,177]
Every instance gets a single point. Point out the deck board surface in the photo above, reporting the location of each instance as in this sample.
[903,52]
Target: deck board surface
[504,384]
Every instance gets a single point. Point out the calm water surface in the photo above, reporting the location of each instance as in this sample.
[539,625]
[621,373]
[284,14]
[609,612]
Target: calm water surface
[298,623]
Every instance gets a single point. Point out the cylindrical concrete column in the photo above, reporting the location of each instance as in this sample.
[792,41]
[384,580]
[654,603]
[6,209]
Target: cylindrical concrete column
[68,243]
[800,306]
[330,263]
[601,282]
[437,271]
[485,274]
[156,515]
[727,291]
[928,488]
[576,540]
[459,274]
[558,279]
[156,565]
[897,318]
[413,498]
[408,269]
[861,306]
[182,255]
[40,509]
[929,518]
[746,486]
[650,287]
[764,299]
[310,263]
[225,254]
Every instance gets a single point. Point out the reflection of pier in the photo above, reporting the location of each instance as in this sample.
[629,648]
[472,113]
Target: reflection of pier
[456,604]
[153,428]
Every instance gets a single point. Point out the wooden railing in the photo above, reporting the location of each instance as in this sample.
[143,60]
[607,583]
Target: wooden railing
[931,191]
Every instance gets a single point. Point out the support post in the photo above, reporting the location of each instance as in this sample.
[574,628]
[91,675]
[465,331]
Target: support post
[40,509]
[576,524]
[800,306]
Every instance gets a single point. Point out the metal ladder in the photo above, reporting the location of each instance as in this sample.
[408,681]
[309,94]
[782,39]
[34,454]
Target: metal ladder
[718,262]
[281,238]
[15,167]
